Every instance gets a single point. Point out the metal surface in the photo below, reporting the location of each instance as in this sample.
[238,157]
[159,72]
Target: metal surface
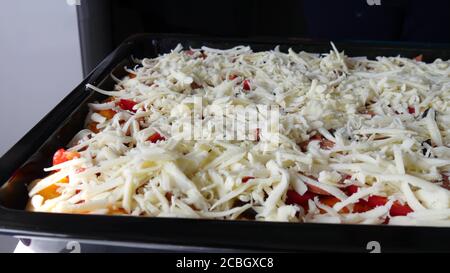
[25,161]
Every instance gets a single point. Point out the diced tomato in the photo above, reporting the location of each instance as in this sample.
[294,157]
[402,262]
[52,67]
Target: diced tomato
[80,170]
[445,182]
[331,201]
[245,179]
[195,85]
[127,105]
[246,85]
[93,127]
[108,113]
[168,196]
[317,190]
[398,209]
[318,137]
[419,58]
[323,142]
[326,144]
[351,189]
[62,156]
[257,132]
[156,137]
[361,206]
[346,177]
[376,201]
[411,110]
[232,77]
[367,112]
[304,145]
[302,200]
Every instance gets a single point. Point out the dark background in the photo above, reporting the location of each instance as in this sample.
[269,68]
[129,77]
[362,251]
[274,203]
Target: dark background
[106,23]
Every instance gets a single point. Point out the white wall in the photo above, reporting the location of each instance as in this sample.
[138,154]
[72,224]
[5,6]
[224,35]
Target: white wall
[40,62]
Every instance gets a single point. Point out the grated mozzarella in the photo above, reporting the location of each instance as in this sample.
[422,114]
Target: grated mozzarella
[381,125]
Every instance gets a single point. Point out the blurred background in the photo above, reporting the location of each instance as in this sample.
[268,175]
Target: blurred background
[47,46]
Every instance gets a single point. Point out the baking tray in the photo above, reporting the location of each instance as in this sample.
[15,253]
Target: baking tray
[25,161]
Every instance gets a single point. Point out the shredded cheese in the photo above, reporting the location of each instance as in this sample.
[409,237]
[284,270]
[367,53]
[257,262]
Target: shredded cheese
[379,125]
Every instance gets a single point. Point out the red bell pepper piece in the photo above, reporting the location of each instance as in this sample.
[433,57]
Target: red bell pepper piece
[398,209]
[351,189]
[361,206]
[246,85]
[127,105]
[376,201]
[331,201]
[293,198]
[156,137]
[245,179]
[62,156]
[257,133]
[317,190]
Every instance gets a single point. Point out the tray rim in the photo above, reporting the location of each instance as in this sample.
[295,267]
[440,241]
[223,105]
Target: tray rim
[25,223]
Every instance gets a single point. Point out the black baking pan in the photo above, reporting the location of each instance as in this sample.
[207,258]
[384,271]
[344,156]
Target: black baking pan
[24,162]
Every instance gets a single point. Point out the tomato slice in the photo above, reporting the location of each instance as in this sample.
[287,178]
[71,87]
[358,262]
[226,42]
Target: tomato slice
[156,137]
